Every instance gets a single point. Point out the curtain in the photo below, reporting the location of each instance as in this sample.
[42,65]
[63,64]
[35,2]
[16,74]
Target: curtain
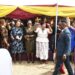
[5,10]
[42,10]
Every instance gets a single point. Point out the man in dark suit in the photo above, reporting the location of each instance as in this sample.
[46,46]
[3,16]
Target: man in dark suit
[63,49]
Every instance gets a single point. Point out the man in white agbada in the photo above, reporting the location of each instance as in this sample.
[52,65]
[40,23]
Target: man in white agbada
[5,62]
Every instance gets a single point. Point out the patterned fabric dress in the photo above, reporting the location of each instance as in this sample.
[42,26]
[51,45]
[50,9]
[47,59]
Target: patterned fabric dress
[4,36]
[30,41]
[17,43]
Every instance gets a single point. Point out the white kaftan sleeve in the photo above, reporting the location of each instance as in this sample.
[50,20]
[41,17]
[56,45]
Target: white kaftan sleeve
[37,30]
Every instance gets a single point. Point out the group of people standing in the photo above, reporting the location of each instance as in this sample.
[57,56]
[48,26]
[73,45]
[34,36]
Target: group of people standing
[34,38]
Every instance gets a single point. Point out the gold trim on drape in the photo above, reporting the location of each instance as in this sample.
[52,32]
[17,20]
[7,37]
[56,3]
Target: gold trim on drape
[50,11]
[5,10]
[43,10]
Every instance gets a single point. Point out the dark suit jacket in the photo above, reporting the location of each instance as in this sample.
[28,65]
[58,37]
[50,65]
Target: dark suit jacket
[64,43]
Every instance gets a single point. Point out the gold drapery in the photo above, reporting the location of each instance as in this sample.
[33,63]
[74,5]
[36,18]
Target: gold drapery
[43,10]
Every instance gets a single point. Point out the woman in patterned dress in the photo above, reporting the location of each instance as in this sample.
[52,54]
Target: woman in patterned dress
[17,42]
[30,41]
[4,34]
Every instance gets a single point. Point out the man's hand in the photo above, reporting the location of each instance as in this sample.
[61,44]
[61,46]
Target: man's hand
[64,57]
[54,57]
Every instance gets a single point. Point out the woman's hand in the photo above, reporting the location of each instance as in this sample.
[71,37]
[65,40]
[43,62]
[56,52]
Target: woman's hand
[8,44]
[31,35]
[17,37]
[50,29]
[12,37]
[26,37]
[48,24]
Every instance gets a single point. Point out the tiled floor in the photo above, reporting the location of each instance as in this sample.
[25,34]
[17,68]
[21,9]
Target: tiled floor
[33,69]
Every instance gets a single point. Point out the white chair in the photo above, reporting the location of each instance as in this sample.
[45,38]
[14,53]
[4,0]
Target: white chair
[5,62]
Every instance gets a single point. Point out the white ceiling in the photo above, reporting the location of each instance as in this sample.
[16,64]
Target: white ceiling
[27,2]
[66,2]
[37,2]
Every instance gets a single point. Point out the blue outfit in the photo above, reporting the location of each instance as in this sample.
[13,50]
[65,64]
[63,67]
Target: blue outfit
[64,43]
[17,44]
[63,47]
[72,30]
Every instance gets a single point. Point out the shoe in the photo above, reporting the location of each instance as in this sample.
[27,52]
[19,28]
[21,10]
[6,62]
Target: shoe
[62,69]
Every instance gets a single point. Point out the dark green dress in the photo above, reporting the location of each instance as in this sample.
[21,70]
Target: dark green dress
[29,40]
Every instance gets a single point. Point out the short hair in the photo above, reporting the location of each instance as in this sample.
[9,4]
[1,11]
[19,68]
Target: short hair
[2,21]
[64,20]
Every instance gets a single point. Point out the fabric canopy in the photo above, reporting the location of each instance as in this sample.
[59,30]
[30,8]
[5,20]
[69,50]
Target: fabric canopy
[5,10]
[50,11]
[43,10]
[20,14]
[8,7]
